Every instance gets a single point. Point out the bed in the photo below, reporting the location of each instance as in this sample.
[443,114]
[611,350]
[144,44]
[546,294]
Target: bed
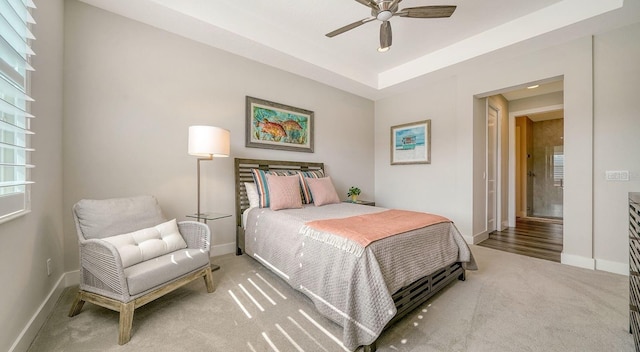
[362,289]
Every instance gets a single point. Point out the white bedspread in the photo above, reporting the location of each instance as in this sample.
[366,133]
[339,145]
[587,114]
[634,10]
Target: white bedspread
[353,291]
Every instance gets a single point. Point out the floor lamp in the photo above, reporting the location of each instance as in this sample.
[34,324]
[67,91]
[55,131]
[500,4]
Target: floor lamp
[207,142]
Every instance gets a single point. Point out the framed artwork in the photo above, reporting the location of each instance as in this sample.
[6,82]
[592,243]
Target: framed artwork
[277,126]
[411,143]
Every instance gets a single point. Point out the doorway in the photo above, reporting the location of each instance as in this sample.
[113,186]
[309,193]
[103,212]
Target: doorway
[531,138]
[540,165]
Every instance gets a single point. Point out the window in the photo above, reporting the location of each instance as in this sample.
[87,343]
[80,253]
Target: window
[558,165]
[15,119]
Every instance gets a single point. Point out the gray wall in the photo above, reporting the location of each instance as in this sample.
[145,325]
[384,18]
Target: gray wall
[27,242]
[132,91]
[601,126]
[616,138]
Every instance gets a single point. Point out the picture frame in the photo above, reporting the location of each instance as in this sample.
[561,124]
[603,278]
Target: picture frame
[411,143]
[273,125]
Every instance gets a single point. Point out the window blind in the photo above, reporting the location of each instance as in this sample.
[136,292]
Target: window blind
[15,119]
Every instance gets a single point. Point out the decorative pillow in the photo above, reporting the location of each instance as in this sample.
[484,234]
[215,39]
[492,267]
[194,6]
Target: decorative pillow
[284,192]
[323,191]
[306,193]
[260,179]
[138,246]
[252,194]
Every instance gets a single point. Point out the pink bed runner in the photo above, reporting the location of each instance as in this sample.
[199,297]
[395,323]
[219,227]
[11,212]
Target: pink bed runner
[364,229]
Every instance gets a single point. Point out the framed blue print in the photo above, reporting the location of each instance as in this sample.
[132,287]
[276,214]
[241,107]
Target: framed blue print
[411,143]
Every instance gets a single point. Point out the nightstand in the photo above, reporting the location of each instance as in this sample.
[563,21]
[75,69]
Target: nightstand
[362,202]
[204,217]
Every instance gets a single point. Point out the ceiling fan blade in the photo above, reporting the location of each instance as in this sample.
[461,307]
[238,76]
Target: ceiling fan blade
[385,34]
[349,27]
[426,12]
[394,4]
[369,3]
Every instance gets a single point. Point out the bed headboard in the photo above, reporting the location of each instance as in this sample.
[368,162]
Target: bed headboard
[243,174]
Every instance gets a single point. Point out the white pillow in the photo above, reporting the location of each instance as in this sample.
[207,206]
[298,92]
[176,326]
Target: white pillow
[138,246]
[252,194]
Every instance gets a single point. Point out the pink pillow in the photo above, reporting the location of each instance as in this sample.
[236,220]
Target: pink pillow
[284,192]
[322,191]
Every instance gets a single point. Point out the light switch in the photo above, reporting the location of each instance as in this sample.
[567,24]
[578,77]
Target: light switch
[619,175]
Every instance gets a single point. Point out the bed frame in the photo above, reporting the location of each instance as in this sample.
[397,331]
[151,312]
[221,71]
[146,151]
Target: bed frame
[406,299]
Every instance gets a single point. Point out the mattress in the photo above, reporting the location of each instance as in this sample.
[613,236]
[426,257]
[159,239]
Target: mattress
[352,290]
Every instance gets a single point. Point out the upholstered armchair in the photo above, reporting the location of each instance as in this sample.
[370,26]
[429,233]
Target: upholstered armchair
[130,255]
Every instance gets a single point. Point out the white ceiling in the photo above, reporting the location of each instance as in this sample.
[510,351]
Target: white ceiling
[290,34]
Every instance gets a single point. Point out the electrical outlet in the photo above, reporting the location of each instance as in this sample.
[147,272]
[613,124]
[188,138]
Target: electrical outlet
[49,267]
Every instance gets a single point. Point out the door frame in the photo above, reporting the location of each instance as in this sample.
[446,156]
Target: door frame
[512,155]
[497,188]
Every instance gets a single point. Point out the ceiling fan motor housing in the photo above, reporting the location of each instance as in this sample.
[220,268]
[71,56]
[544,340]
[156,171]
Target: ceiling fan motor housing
[386,10]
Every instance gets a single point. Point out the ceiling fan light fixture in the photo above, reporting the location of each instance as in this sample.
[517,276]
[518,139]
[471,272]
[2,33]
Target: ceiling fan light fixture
[384,15]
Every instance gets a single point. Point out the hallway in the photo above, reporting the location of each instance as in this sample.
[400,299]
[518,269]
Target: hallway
[533,237]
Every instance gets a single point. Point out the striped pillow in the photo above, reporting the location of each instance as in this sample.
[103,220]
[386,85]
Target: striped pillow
[306,192]
[260,179]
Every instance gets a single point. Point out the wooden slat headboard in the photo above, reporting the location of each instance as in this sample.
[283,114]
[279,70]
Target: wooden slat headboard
[243,174]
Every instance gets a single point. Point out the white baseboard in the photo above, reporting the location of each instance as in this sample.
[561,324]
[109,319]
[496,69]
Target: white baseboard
[28,334]
[23,341]
[579,261]
[612,267]
[478,237]
[72,278]
[221,249]
[595,264]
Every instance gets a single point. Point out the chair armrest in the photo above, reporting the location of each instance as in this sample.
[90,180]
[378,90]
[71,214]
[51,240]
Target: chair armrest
[102,269]
[196,234]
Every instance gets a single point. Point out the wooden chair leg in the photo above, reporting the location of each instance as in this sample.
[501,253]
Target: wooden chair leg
[76,307]
[208,280]
[126,322]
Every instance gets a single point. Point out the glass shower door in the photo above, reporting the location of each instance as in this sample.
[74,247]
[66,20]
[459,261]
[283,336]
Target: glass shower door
[547,172]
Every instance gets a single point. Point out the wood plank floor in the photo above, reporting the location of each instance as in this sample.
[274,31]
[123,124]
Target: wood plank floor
[531,237]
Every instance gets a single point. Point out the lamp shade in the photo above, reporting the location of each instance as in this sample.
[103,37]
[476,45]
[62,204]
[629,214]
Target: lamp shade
[209,141]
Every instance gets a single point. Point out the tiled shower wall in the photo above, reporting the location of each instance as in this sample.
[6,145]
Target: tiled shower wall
[547,185]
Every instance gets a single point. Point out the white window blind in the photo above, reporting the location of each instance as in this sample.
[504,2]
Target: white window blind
[15,119]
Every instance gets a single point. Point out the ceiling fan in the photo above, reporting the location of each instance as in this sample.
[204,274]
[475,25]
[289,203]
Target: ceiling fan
[383,10]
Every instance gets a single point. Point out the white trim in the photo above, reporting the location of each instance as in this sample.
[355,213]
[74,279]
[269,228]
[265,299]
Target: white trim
[28,334]
[579,261]
[612,267]
[477,238]
[221,249]
[72,278]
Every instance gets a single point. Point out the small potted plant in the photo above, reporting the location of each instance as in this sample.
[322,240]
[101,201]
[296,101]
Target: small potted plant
[353,193]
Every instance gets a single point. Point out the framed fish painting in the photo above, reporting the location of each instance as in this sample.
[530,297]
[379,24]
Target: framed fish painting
[411,143]
[277,126]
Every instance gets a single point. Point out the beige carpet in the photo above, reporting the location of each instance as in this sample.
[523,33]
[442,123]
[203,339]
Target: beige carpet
[513,303]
